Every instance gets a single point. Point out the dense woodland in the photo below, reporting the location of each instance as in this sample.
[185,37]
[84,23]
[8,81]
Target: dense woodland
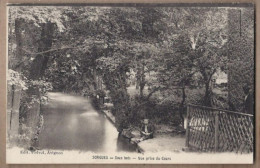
[150,62]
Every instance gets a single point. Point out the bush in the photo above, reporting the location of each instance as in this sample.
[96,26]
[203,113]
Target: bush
[158,113]
[95,102]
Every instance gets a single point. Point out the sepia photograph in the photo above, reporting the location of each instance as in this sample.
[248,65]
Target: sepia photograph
[131,83]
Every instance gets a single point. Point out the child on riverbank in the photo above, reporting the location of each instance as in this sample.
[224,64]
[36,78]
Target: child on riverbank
[147,130]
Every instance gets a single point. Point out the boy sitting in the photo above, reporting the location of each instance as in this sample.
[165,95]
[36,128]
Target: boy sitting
[146,130]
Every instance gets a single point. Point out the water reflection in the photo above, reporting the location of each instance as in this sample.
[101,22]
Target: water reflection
[124,144]
[71,123]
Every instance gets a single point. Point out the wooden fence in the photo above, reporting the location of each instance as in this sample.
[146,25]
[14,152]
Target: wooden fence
[217,130]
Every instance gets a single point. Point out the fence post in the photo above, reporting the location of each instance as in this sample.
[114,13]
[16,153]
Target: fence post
[216,130]
[188,127]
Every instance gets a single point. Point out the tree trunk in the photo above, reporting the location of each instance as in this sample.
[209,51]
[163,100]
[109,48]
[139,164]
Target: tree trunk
[208,91]
[39,64]
[138,75]
[95,78]
[182,106]
[14,92]
[142,80]
[38,67]
[207,97]
[17,66]
[14,96]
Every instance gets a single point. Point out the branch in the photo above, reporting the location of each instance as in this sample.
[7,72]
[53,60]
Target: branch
[47,51]
[210,76]
[28,52]
[152,92]
[187,77]
[145,101]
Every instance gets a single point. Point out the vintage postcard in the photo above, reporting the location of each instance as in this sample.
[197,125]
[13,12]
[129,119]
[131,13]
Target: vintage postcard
[131,83]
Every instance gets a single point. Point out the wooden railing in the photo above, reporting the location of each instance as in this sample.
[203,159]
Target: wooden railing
[217,130]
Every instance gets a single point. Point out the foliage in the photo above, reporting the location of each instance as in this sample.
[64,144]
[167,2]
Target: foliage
[169,54]
[39,15]
[240,49]
[15,78]
[23,139]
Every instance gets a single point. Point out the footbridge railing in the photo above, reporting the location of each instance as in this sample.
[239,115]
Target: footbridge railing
[218,130]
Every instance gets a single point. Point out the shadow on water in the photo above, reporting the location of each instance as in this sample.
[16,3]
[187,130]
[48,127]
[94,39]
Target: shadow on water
[123,144]
[71,123]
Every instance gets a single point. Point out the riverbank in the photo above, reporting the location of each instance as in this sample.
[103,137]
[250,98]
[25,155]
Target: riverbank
[166,138]
[163,142]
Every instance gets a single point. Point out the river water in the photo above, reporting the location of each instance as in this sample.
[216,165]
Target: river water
[71,123]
